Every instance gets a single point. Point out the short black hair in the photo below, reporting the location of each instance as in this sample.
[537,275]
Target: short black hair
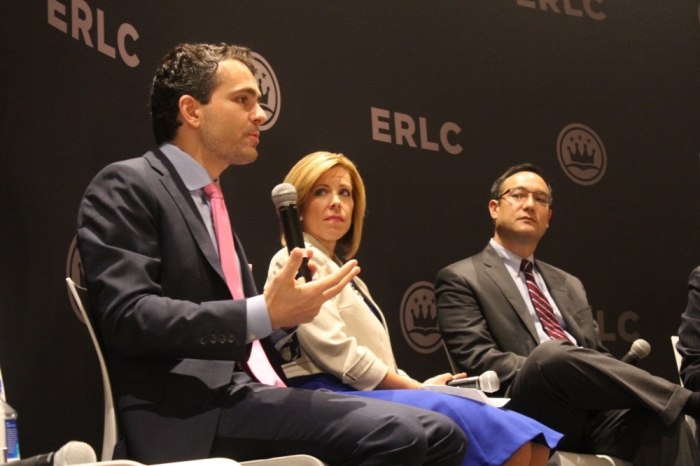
[523,167]
[188,69]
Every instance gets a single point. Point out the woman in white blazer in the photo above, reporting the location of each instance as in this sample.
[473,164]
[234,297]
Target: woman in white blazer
[347,347]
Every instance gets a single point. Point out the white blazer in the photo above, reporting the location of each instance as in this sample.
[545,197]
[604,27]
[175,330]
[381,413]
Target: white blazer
[345,339]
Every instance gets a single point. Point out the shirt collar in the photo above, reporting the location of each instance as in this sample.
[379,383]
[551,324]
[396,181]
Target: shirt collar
[509,257]
[192,173]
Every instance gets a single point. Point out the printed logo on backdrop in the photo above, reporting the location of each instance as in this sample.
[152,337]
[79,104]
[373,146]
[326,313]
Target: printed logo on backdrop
[581,154]
[577,8]
[419,318]
[404,131]
[270,98]
[86,25]
[74,270]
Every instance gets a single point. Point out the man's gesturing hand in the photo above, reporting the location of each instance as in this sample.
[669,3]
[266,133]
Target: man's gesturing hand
[291,302]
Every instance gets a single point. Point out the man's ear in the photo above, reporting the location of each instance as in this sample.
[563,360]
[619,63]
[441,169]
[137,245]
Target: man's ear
[493,208]
[190,111]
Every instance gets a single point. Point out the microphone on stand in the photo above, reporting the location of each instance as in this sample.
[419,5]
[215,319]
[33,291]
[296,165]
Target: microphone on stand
[487,382]
[284,196]
[69,454]
[640,349]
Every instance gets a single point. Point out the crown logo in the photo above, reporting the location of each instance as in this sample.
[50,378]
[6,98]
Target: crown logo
[423,312]
[264,95]
[581,158]
[581,154]
[270,97]
[419,318]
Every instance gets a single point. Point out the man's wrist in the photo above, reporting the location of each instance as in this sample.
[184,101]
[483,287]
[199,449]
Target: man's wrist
[258,324]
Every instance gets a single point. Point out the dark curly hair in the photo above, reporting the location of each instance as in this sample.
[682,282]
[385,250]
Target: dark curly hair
[188,69]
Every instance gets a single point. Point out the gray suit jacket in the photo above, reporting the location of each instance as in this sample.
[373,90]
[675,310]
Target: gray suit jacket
[168,325]
[485,322]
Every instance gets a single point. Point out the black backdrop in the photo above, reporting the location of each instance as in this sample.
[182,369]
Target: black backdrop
[503,78]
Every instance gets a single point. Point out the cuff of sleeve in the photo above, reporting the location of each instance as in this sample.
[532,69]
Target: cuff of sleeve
[258,323]
[366,378]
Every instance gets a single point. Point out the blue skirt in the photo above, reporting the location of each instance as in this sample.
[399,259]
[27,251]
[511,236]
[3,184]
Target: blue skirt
[494,434]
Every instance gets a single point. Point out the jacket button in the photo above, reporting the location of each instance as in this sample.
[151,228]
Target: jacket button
[222,339]
[212,339]
[231,338]
[203,340]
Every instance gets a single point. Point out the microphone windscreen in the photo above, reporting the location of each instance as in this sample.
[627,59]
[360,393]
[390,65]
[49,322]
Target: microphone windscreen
[284,194]
[489,382]
[640,348]
[74,453]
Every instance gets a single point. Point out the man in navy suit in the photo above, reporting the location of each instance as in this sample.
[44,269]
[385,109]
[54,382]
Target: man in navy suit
[502,310]
[176,341]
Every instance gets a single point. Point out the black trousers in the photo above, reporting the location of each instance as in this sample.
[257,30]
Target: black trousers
[259,421]
[604,406]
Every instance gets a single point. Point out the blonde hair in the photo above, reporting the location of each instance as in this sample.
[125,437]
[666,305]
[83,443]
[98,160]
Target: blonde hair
[308,170]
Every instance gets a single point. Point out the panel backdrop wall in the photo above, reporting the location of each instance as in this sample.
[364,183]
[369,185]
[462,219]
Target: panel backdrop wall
[432,99]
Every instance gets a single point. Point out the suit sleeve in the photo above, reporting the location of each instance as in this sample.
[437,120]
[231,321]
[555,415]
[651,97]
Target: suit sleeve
[689,335]
[150,290]
[465,330]
[581,311]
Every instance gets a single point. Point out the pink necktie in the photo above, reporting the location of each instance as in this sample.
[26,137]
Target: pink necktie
[541,303]
[258,363]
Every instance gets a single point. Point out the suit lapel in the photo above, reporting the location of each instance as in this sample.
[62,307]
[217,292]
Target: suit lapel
[249,288]
[496,270]
[557,288]
[364,291]
[172,182]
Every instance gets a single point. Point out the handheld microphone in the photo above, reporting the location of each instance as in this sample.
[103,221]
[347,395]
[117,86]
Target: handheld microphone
[284,196]
[640,349]
[69,454]
[487,382]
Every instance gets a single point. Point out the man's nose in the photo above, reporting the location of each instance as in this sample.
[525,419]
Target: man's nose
[529,201]
[259,116]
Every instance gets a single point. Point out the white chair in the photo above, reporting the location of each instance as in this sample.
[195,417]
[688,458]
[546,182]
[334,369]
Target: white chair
[203,462]
[110,437]
[110,433]
[679,358]
[564,458]
[295,460]
[561,458]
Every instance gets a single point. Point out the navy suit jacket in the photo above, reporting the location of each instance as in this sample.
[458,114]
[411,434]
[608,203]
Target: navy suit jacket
[168,324]
[486,323]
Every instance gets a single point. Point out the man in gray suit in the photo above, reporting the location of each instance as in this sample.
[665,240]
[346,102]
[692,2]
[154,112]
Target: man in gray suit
[502,310]
[689,339]
[177,331]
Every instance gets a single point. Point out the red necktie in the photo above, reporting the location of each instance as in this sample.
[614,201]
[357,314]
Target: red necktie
[541,303]
[258,363]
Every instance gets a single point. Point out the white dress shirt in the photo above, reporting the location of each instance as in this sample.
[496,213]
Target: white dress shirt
[512,262]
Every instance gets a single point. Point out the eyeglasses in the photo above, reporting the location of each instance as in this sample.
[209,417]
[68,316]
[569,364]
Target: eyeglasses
[518,195]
